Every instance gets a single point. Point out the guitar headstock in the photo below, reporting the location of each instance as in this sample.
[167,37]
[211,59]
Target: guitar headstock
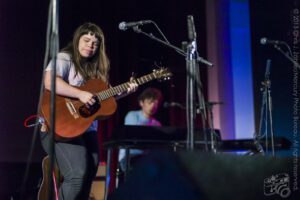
[162,74]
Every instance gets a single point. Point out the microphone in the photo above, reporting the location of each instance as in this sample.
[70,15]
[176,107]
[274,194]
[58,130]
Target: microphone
[265,41]
[125,25]
[191,28]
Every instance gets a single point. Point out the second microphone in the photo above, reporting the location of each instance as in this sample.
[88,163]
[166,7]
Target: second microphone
[125,25]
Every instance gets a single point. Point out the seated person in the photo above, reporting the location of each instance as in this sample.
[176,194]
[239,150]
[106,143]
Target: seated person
[149,100]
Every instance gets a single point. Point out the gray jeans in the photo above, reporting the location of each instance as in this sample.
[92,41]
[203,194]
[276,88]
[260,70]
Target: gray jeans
[77,161]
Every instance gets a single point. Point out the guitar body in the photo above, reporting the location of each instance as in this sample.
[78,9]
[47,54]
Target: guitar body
[72,116]
[43,193]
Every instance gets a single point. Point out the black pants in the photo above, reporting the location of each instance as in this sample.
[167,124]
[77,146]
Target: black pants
[77,161]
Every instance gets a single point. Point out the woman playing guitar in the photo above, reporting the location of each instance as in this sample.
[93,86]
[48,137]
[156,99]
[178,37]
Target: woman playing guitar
[80,61]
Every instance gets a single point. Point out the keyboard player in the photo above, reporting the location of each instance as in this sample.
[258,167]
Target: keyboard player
[149,101]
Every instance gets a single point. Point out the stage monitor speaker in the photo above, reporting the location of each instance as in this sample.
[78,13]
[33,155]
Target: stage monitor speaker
[165,175]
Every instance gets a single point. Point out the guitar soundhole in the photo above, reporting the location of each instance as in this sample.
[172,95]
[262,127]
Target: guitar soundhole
[87,111]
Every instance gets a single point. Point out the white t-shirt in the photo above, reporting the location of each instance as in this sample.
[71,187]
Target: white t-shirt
[65,69]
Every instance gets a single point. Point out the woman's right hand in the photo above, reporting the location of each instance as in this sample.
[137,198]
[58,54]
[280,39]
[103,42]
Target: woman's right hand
[64,89]
[86,97]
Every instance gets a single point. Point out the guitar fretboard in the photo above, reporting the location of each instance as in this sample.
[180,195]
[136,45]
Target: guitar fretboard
[123,87]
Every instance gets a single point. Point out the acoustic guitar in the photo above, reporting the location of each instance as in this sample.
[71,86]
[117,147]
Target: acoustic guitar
[73,117]
[43,193]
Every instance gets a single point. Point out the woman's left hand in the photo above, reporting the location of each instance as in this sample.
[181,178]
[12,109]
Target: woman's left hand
[132,86]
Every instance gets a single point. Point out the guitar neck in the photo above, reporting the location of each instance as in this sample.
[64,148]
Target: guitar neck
[123,87]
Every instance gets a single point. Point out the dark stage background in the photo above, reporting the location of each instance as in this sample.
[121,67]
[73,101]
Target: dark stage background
[22,46]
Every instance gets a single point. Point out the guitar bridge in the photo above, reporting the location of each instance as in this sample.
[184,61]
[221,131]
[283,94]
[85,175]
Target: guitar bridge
[71,108]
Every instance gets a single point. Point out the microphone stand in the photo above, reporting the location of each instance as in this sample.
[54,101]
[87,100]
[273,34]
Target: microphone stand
[178,50]
[213,133]
[54,46]
[193,82]
[287,55]
[190,102]
[266,114]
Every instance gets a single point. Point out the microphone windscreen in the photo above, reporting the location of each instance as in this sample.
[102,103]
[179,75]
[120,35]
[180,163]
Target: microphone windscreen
[122,26]
[263,40]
